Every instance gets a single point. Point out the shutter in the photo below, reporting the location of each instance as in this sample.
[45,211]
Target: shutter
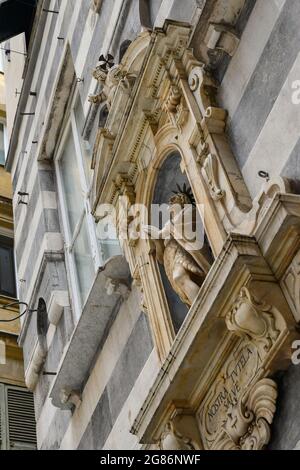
[3,423]
[21,419]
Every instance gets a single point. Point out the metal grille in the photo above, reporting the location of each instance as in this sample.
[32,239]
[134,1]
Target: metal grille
[21,419]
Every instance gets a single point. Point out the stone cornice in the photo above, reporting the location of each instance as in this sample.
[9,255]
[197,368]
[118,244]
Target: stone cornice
[204,343]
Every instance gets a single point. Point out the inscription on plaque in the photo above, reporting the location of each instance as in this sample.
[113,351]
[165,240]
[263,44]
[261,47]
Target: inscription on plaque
[229,395]
[233,379]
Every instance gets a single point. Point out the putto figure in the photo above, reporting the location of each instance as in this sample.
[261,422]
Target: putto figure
[110,79]
[185,258]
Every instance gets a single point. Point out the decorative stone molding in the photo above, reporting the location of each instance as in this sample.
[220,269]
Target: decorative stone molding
[240,328]
[125,187]
[174,99]
[203,87]
[58,301]
[216,30]
[248,424]
[109,81]
[220,37]
[236,212]
[210,171]
[228,369]
[180,433]
[96,5]
[252,319]
[290,283]
[70,398]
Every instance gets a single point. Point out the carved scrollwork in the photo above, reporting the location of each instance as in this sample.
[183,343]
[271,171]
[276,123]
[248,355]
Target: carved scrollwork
[180,433]
[174,99]
[248,423]
[210,172]
[125,187]
[204,88]
[252,319]
[171,439]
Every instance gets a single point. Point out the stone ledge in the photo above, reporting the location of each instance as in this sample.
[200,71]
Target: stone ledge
[90,330]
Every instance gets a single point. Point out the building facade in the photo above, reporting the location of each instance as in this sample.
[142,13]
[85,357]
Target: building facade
[143,339]
[17,423]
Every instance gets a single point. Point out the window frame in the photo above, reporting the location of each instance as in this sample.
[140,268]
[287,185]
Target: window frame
[9,242]
[70,126]
[5,142]
[5,436]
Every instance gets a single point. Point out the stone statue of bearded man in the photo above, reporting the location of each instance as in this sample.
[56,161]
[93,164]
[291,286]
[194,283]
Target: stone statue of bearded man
[186,259]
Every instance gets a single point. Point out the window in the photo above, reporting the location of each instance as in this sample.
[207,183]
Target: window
[73,165]
[17,419]
[78,224]
[7,268]
[2,146]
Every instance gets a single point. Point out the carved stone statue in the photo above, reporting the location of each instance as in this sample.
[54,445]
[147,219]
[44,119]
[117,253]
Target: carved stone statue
[185,266]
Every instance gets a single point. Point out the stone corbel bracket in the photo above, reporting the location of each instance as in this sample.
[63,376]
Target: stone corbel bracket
[70,398]
[97,313]
[58,301]
[181,432]
[221,38]
[203,87]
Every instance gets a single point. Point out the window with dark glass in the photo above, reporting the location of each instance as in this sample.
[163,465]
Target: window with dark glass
[7,268]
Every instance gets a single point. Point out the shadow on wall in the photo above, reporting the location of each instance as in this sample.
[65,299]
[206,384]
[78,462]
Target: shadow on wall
[286,426]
